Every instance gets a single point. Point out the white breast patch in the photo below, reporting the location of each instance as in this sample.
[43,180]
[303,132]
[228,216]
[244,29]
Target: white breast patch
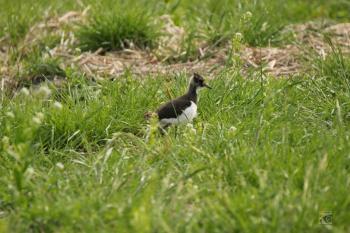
[187,116]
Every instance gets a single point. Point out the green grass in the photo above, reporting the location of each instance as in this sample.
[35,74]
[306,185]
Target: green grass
[113,23]
[264,155]
[38,68]
[219,20]
[118,28]
[20,16]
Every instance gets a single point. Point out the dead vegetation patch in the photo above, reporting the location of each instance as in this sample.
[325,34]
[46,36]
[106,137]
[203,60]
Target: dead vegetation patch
[310,38]
[55,26]
[276,61]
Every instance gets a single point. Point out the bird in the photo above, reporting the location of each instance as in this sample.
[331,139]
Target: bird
[183,109]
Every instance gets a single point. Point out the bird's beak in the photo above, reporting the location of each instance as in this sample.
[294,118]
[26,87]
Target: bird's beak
[206,85]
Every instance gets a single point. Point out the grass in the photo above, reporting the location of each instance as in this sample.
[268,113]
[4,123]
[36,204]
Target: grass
[20,16]
[219,20]
[39,68]
[118,29]
[113,25]
[264,155]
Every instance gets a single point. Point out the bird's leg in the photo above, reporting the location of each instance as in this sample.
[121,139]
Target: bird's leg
[175,131]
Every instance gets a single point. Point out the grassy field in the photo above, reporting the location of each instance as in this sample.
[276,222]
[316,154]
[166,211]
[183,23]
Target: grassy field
[265,154]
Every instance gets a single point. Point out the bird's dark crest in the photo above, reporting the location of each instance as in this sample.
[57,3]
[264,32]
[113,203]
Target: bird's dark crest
[197,77]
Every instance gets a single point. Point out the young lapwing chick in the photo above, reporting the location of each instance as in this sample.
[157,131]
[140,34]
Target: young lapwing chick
[184,108]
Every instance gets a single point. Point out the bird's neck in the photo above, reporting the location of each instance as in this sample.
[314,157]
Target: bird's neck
[192,93]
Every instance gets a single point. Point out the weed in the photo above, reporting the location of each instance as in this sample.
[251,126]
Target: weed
[38,69]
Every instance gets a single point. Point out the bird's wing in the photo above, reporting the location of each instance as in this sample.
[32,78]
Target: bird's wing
[173,108]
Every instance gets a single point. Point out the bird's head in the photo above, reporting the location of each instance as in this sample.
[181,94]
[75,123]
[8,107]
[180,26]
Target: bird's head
[198,81]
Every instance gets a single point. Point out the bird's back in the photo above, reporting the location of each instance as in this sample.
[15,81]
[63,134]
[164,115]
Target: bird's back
[174,108]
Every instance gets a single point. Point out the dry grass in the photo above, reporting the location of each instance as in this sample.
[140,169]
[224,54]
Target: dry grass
[287,60]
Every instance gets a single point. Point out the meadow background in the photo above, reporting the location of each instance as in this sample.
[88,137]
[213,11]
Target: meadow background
[267,153]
